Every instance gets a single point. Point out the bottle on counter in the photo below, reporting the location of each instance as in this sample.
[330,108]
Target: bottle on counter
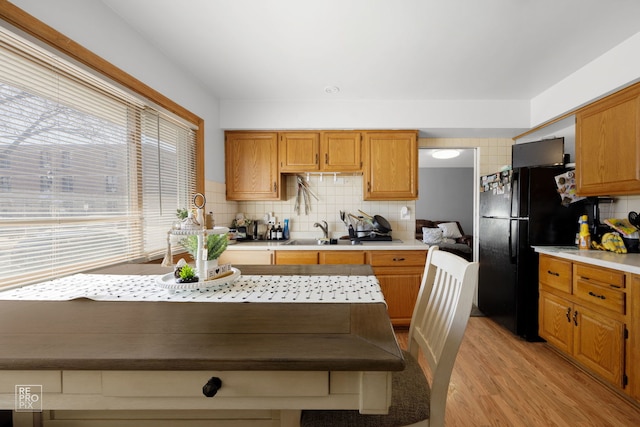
[584,237]
[285,230]
[279,232]
[209,221]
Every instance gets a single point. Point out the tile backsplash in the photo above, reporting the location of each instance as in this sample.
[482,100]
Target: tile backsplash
[343,193]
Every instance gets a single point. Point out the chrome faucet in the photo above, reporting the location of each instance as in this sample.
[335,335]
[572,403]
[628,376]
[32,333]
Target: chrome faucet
[325,228]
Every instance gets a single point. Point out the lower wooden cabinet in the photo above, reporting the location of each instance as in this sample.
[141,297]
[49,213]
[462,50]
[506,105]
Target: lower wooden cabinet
[583,312]
[592,339]
[400,275]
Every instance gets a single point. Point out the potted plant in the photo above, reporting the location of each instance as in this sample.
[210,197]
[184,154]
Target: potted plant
[214,245]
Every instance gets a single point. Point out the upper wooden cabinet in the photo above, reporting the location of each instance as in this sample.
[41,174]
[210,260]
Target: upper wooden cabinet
[608,145]
[257,161]
[299,151]
[251,166]
[390,165]
[341,151]
[320,151]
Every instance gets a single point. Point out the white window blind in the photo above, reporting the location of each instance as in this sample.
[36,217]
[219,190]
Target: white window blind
[89,176]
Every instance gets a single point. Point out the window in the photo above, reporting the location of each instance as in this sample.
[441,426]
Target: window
[93,175]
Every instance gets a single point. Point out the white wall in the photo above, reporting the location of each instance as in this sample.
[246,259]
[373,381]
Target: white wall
[615,69]
[94,26]
[486,115]
[447,194]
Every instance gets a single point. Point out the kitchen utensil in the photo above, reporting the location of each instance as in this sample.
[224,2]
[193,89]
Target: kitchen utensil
[343,217]
[634,219]
[379,223]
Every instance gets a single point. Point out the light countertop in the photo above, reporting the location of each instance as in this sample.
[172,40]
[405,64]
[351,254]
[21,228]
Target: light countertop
[629,263]
[343,245]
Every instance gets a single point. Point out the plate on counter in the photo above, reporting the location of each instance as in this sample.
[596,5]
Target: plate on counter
[168,281]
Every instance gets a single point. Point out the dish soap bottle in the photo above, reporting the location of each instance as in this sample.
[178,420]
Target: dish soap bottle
[584,237]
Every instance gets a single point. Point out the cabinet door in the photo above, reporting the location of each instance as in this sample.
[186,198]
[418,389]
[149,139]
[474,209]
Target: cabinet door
[390,166]
[556,322]
[342,257]
[633,347]
[608,145]
[299,151]
[400,286]
[599,344]
[251,166]
[296,257]
[341,152]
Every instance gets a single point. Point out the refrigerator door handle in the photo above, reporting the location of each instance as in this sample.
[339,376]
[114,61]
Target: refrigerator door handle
[513,241]
[514,210]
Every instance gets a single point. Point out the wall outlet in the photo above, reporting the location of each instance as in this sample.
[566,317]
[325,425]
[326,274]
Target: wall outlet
[404,214]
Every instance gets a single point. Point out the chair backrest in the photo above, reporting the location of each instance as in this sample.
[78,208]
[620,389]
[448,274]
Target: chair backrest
[439,320]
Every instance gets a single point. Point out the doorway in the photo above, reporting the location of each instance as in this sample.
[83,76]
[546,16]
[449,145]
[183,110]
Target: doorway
[448,187]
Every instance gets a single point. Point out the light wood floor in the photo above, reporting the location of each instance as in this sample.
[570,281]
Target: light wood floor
[501,380]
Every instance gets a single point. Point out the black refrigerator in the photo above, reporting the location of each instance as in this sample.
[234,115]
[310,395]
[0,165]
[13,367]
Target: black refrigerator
[525,211]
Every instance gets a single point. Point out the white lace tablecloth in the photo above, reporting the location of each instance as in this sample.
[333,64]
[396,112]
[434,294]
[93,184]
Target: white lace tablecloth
[256,288]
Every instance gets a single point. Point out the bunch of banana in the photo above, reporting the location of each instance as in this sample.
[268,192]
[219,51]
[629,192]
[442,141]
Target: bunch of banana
[611,242]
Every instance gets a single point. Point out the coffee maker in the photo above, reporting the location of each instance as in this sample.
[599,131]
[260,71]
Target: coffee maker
[592,205]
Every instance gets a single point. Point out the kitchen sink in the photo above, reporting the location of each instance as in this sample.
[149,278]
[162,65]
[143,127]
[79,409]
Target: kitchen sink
[306,242]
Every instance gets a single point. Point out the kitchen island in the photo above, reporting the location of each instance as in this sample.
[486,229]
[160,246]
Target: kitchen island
[111,360]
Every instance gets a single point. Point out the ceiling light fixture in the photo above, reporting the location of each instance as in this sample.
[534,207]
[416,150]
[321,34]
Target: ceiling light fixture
[445,154]
[332,89]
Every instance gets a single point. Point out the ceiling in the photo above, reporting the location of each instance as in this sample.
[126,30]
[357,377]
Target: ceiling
[381,49]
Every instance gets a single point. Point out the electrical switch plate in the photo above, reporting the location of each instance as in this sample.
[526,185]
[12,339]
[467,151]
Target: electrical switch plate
[404,213]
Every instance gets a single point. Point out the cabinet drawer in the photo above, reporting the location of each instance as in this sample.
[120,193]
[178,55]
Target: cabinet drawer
[342,257]
[602,296]
[397,258]
[611,278]
[296,257]
[234,383]
[555,273]
[50,381]
[246,257]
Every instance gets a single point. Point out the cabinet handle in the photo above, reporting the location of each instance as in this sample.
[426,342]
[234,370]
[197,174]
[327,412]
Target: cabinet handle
[275,186]
[212,386]
[569,314]
[575,317]
[615,286]
[326,158]
[316,158]
[596,295]
[553,273]
[398,259]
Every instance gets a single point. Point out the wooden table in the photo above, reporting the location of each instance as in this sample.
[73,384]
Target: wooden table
[273,359]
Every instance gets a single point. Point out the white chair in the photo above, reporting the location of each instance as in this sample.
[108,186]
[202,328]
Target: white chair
[437,326]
